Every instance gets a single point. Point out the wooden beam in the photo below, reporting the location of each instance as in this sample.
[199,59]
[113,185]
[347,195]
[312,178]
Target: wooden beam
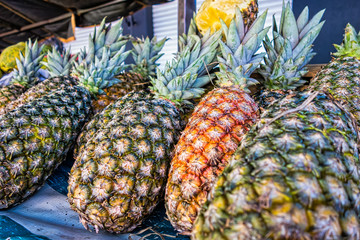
[16,12]
[22,16]
[11,25]
[36,25]
[186,8]
[58,18]
[82,11]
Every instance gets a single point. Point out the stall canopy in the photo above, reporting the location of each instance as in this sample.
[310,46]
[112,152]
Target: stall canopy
[23,19]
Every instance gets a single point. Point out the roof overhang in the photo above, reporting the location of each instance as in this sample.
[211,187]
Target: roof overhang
[23,19]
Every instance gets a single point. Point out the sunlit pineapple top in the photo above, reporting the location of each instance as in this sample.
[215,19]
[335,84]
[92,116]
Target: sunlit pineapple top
[351,44]
[290,50]
[211,11]
[238,58]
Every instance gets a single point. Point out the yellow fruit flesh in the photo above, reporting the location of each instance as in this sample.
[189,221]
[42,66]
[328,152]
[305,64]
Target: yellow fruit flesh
[211,11]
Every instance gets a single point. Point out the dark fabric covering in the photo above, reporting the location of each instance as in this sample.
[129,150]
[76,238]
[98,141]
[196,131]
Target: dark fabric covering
[16,14]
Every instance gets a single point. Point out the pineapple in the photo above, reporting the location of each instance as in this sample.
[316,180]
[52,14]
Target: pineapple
[296,172]
[25,76]
[341,77]
[217,124]
[288,54]
[104,117]
[188,48]
[58,65]
[35,137]
[120,173]
[211,11]
[145,54]
[295,176]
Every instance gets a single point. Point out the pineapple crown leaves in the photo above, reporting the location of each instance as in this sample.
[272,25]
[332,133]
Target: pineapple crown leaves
[290,50]
[28,65]
[183,39]
[145,54]
[59,63]
[180,89]
[101,72]
[238,51]
[350,46]
[105,36]
[183,77]
[110,36]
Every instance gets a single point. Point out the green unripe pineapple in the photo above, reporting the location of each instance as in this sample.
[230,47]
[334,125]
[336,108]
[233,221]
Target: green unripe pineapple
[341,77]
[296,174]
[35,137]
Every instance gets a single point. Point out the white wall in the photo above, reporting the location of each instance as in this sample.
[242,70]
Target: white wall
[81,39]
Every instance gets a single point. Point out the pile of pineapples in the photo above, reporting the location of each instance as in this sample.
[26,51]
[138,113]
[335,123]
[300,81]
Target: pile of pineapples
[280,163]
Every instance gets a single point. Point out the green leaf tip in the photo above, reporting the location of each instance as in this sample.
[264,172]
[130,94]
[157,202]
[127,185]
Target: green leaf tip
[238,58]
[291,48]
[350,46]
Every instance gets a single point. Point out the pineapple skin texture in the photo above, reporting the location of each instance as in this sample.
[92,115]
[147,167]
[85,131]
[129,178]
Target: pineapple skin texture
[215,129]
[119,176]
[38,91]
[104,117]
[9,94]
[211,11]
[296,177]
[129,82]
[35,139]
[341,78]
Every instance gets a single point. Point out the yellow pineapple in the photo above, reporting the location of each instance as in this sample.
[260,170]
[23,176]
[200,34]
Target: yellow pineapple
[211,11]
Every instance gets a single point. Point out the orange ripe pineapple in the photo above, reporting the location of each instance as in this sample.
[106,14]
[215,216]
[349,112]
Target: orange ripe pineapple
[217,124]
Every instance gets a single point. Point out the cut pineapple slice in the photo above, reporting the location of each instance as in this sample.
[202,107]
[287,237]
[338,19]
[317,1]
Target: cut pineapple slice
[211,11]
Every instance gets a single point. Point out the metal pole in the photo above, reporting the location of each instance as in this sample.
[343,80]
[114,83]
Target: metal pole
[186,8]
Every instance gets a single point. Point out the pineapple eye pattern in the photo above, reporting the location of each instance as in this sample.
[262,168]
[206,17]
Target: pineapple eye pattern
[141,149]
[204,149]
[317,177]
[37,134]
